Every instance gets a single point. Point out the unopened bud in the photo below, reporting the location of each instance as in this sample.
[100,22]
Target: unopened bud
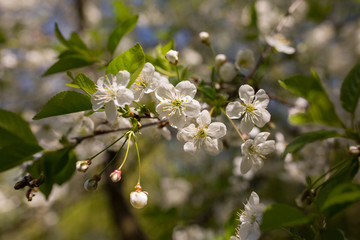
[115,175]
[138,199]
[172,56]
[220,59]
[354,150]
[91,183]
[205,37]
[82,166]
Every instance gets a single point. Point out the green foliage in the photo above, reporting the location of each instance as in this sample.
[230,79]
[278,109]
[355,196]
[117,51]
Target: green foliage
[300,141]
[84,83]
[282,215]
[68,62]
[57,166]
[132,60]
[64,103]
[125,26]
[321,109]
[159,61]
[332,234]
[350,90]
[120,10]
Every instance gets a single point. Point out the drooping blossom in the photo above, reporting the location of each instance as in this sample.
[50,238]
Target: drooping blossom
[280,43]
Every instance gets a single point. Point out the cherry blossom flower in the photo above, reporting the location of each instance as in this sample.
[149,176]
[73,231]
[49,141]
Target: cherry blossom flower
[146,82]
[254,152]
[112,93]
[250,219]
[251,109]
[245,60]
[172,56]
[280,43]
[205,135]
[177,103]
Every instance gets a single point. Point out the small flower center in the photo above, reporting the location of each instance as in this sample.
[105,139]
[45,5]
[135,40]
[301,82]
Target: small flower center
[282,39]
[176,104]
[249,108]
[201,133]
[141,82]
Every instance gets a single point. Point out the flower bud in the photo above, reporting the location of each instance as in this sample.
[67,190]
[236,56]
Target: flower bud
[115,175]
[228,71]
[220,59]
[82,166]
[172,56]
[205,37]
[91,183]
[138,199]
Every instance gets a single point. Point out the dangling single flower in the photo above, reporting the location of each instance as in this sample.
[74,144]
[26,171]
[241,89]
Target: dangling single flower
[250,219]
[280,43]
[177,103]
[251,109]
[138,198]
[112,93]
[146,82]
[205,135]
[254,152]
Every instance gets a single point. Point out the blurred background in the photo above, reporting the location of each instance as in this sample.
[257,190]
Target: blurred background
[192,198]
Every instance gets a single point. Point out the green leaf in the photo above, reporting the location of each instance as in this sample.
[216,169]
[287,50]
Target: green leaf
[14,154]
[59,36]
[77,44]
[124,27]
[167,47]
[64,103]
[321,110]
[340,197]
[13,124]
[350,90]
[67,63]
[132,60]
[121,11]
[85,83]
[65,168]
[300,141]
[282,215]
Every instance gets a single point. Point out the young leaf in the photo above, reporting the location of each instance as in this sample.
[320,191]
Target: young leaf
[13,124]
[64,103]
[321,109]
[282,215]
[59,36]
[167,47]
[85,83]
[124,27]
[341,197]
[132,60]
[77,44]
[121,11]
[68,62]
[300,141]
[350,90]
[14,154]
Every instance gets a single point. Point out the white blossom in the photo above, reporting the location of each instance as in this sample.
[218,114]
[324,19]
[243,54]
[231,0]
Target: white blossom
[205,135]
[172,56]
[227,71]
[280,43]
[138,199]
[245,60]
[254,152]
[251,109]
[250,218]
[146,82]
[177,103]
[112,93]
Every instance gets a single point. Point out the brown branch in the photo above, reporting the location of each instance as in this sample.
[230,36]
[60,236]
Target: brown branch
[277,29]
[280,100]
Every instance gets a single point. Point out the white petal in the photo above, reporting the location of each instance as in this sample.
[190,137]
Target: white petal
[261,99]
[97,104]
[262,117]
[246,145]
[244,230]
[123,78]
[164,92]
[261,137]
[246,125]
[285,49]
[216,130]
[204,118]
[254,233]
[192,109]
[138,94]
[246,93]
[254,198]
[234,238]
[124,97]
[266,147]
[246,164]
[177,121]
[160,110]
[212,146]
[148,69]
[186,88]
[100,83]
[187,134]
[111,112]
[190,147]
[234,110]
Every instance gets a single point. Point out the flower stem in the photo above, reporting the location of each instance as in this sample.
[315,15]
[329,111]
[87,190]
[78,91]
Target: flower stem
[233,124]
[138,155]
[127,149]
[107,147]
[177,73]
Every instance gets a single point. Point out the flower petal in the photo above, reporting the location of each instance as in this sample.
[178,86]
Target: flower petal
[111,111]
[234,110]
[254,198]
[160,110]
[266,147]
[261,99]
[187,134]
[216,130]
[124,97]
[212,146]
[177,121]
[192,108]
[164,92]
[190,147]
[123,78]
[261,137]
[204,118]
[186,88]
[246,93]
[244,230]
[254,233]
[245,164]
[246,125]
[96,102]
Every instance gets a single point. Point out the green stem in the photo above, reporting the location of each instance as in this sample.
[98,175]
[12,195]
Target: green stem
[107,147]
[138,155]
[233,124]
[113,159]
[177,73]
[127,150]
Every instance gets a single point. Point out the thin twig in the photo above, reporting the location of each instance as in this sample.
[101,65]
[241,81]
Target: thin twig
[280,100]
